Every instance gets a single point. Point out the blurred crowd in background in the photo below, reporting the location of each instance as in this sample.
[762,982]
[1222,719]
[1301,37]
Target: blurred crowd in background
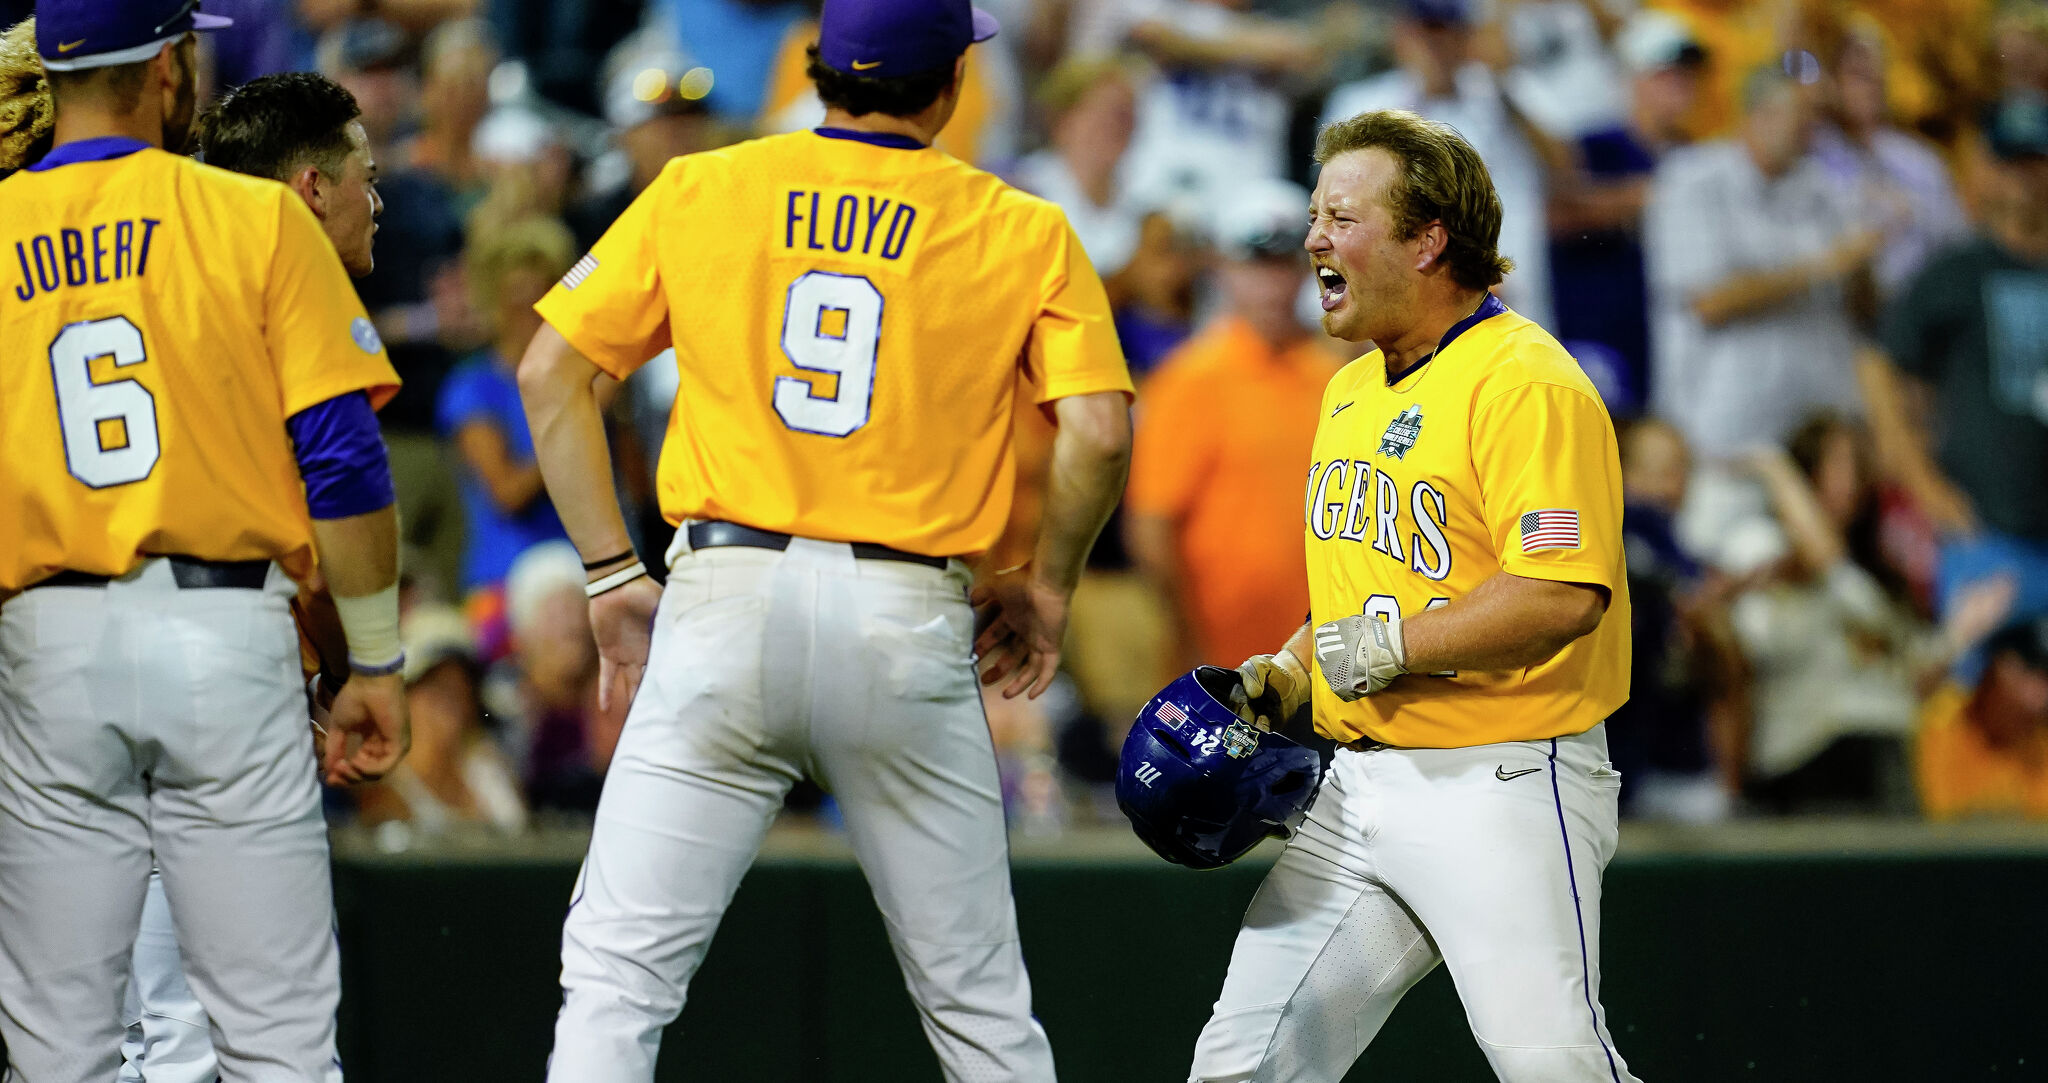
[1800,245]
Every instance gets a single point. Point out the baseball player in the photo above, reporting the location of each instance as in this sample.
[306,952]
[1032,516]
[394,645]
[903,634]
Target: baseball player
[186,381]
[1470,625]
[301,129]
[850,310]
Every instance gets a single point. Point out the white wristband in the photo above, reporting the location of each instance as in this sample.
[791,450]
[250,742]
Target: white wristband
[370,622]
[615,580]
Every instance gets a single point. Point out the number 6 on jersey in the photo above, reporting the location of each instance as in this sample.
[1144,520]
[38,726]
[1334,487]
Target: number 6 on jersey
[109,428]
[831,323]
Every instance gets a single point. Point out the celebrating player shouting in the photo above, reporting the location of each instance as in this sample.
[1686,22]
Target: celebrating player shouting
[186,384]
[1471,628]
[850,310]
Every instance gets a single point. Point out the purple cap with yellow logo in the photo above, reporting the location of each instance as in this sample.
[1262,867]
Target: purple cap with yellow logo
[885,39]
[72,35]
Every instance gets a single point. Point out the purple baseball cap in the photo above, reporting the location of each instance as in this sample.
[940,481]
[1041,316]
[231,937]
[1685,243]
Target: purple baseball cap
[76,34]
[884,39]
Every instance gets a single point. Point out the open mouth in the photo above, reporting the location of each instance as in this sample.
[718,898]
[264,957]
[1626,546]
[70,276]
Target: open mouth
[1333,287]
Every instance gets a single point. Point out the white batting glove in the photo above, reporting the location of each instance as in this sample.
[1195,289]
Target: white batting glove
[1275,682]
[1360,655]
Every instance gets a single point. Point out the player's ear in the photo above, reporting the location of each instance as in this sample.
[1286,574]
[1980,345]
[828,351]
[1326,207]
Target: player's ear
[1430,242]
[306,182]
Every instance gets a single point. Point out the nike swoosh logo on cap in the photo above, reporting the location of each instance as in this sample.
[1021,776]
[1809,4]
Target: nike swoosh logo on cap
[858,66]
[67,46]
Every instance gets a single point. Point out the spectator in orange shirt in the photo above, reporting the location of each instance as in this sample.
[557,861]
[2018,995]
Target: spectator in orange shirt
[1223,441]
[1985,752]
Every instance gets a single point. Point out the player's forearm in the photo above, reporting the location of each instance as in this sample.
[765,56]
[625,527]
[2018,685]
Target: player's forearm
[1091,455]
[321,623]
[555,384]
[359,553]
[359,561]
[1507,622]
[1302,643]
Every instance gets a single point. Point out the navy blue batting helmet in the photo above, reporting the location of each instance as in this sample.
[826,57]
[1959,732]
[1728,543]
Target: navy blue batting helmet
[1201,785]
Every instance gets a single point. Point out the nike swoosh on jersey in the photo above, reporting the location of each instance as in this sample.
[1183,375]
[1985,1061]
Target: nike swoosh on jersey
[1340,409]
[67,46]
[858,66]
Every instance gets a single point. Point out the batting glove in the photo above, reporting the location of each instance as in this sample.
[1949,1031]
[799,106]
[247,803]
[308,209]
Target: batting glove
[1360,654]
[1273,687]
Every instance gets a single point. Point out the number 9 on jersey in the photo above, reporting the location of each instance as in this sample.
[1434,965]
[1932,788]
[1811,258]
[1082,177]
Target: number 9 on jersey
[831,323]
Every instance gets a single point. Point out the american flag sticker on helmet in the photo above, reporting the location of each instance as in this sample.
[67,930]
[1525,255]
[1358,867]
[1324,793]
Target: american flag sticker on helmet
[1171,713]
[1550,528]
[579,272]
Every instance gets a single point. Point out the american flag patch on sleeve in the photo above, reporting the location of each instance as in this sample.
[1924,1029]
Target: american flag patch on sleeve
[1550,528]
[579,272]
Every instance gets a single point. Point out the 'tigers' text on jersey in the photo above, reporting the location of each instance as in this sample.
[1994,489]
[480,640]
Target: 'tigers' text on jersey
[1336,508]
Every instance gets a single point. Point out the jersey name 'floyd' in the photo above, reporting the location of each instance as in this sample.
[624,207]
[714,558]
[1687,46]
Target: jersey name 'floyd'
[847,222]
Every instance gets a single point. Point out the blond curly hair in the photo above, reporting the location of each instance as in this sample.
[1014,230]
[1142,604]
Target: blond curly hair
[27,116]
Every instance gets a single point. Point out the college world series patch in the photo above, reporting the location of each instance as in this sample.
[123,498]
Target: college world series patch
[1402,432]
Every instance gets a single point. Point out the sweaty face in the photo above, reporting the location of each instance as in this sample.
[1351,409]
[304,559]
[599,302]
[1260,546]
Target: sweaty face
[352,204]
[1359,264]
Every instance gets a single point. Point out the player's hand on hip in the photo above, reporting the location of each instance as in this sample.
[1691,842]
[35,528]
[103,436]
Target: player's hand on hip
[368,730]
[1271,688]
[1022,622]
[623,621]
[1360,655]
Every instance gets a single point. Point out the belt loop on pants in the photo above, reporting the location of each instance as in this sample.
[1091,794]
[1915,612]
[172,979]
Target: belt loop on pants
[714,533]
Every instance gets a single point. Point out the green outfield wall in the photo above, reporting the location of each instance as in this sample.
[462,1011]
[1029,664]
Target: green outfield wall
[1857,961]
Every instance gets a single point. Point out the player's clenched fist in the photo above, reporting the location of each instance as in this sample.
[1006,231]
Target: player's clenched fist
[368,729]
[1273,687]
[1360,655]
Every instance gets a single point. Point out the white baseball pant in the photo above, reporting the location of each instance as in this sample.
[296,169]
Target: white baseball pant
[167,1038]
[1487,858]
[139,717]
[767,666]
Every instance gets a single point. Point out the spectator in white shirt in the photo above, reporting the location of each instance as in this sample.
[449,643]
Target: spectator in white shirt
[1438,78]
[1751,247]
[1565,76]
[1900,176]
[1220,110]
[1091,108]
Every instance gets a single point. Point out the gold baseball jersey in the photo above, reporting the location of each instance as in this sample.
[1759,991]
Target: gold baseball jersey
[1494,455]
[163,321]
[850,314]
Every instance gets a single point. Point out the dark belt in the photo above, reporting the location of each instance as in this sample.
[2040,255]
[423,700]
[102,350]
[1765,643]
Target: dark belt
[190,574]
[714,533]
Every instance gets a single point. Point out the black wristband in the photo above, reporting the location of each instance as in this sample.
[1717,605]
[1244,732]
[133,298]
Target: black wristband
[591,566]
